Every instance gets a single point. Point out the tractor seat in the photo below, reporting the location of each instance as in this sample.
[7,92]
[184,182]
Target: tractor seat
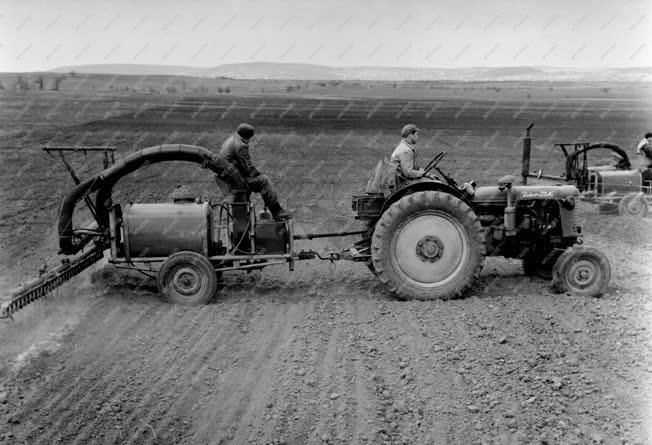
[383,180]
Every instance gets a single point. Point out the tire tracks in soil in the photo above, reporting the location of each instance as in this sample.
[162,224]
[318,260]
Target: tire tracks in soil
[328,375]
[280,400]
[272,380]
[37,395]
[187,383]
[437,382]
[104,383]
[162,361]
[364,419]
[288,404]
[226,408]
[345,406]
[320,358]
[109,389]
[372,353]
[45,400]
[445,415]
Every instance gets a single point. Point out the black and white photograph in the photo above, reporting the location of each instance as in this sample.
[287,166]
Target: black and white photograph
[292,222]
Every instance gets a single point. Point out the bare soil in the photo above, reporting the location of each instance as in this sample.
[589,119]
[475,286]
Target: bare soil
[322,354]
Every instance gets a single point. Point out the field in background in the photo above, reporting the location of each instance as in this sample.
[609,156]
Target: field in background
[437,89]
[262,363]
[318,150]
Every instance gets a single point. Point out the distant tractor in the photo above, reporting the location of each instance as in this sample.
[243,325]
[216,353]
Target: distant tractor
[424,239]
[616,188]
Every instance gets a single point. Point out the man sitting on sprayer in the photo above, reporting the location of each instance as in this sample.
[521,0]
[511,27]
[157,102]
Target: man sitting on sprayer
[235,152]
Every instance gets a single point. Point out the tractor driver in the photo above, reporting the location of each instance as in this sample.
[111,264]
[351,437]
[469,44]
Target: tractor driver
[405,156]
[235,151]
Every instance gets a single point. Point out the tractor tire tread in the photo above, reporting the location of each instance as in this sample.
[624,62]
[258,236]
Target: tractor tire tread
[558,283]
[420,201]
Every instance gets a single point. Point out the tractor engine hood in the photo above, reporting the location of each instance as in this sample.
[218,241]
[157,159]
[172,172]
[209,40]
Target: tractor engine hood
[494,194]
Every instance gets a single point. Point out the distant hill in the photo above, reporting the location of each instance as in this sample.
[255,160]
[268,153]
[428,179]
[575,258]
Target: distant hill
[304,71]
[269,70]
[132,69]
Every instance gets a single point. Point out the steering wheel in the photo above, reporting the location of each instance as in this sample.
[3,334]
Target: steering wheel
[432,164]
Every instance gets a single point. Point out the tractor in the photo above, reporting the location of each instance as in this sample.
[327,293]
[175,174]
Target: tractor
[427,238]
[616,188]
[424,239]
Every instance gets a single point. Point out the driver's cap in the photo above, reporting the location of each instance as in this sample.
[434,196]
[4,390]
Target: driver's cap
[246,131]
[408,129]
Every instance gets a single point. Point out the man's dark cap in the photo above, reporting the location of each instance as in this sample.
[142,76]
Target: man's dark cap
[245,131]
[408,130]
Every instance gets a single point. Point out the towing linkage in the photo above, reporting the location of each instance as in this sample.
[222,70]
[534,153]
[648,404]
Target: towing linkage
[309,236]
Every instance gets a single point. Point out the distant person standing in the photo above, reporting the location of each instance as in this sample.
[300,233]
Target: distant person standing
[644,155]
[644,151]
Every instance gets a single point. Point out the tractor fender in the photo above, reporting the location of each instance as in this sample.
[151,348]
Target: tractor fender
[422,185]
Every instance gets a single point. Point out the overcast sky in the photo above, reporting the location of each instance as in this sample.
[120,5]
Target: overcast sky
[39,35]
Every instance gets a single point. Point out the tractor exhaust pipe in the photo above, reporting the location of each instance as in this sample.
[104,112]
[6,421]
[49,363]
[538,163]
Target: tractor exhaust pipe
[527,146]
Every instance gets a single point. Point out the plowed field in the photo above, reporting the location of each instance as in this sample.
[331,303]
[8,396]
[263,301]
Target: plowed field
[322,354]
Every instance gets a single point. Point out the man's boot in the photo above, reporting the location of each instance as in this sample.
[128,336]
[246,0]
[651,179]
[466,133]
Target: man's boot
[278,213]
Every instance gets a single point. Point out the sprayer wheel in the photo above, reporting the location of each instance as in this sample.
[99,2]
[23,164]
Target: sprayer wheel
[187,278]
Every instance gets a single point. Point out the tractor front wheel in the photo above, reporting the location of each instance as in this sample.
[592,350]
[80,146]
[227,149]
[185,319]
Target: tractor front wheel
[428,245]
[633,204]
[187,278]
[583,271]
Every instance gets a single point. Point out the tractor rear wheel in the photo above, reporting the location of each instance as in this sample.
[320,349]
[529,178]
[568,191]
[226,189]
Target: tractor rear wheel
[633,204]
[428,245]
[187,278]
[582,271]
[364,245]
[370,266]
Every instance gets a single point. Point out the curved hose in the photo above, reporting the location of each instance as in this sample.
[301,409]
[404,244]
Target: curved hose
[104,181]
[581,178]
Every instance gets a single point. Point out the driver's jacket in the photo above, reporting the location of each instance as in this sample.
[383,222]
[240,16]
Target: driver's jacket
[236,151]
[406,157]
